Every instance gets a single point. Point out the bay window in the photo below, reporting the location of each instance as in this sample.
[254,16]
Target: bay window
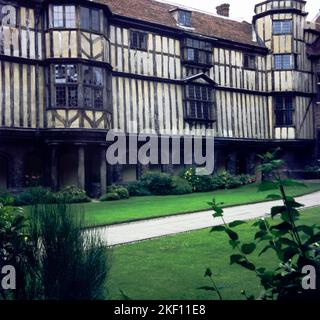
[77,86]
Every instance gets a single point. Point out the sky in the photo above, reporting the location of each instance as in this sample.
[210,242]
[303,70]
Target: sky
[240,9]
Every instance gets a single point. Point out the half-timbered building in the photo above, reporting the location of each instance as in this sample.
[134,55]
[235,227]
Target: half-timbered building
[70,71]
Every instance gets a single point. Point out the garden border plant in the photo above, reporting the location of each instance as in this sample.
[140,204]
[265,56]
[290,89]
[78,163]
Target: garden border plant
[296,246]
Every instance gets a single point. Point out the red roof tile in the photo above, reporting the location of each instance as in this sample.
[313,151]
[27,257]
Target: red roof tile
[205,24]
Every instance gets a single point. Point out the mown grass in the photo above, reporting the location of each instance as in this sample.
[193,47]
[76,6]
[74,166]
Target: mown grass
[172,268]
[139,208]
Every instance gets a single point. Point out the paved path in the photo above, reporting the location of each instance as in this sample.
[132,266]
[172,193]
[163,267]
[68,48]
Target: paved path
[147,229]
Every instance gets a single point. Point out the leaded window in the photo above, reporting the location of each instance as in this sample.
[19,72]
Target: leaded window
[284,61]
[284,110]
[66,85]
[249,61]
[199,103]
[184,18]
[90,19]
[282,27]
[197,52]
[77,86]
[64,17]
[93,87]
[138,40]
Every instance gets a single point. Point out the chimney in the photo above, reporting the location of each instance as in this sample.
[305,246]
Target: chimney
[223,10]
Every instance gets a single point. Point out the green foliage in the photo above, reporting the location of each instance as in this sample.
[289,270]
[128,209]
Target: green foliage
[295,245]
[222,180]
[226,180]
[14,246]
[112,196]
[157,183]
[121,191]
[72,194]
[6,198]
[180,186]
[137,189]
[67,263]
[33,196]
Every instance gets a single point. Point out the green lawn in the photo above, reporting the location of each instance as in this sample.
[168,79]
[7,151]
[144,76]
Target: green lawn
[104,213]
[172,268]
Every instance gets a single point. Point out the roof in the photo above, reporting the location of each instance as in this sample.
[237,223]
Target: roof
[203,23]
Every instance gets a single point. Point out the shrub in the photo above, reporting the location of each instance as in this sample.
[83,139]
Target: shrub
[6,198]
[226,180]
[72,194]
[33,196]
[246,179]
[157,183]
[137,189]
[180,186]
[121,191]
[111,196]
[198,183]
[70,264]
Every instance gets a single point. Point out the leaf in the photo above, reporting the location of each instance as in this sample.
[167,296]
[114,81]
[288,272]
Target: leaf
[260,234]
[289,253]
[274,197]
[218,229]
[207,288]
[315,238]
[236,223]
[208,273]
[248,248]
[232,235]
[235,258]
[247,265]
[309,231]
[277,210]
[234,244]
[284,226]
[288,242]
[268,185]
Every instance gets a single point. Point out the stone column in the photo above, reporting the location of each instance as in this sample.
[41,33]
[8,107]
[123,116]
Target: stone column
[141,170]
[232,162]
[117,173]
[251,164]
[54,167]
[81,167]
[16,179]
[103,171]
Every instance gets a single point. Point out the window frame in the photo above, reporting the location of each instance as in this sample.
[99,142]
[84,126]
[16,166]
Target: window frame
[199,47]
[182,20]
[292,66]
[250,58]
[282,30]
[197,108]
[285,112]
[138,46]
[90,20]
[64,16]
[67,86]
[99,87]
